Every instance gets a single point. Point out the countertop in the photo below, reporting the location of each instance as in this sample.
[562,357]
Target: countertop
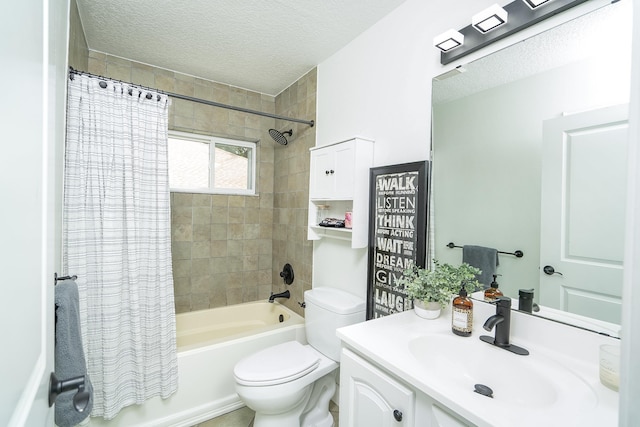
[385,343]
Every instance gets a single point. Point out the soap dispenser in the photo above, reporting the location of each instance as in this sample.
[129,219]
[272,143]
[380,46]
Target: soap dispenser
[492,292]
[462,314]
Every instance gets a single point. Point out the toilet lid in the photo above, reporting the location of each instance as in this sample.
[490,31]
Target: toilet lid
[277,364]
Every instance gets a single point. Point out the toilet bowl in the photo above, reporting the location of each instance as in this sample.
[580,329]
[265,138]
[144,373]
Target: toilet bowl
[282,396]
[290,384]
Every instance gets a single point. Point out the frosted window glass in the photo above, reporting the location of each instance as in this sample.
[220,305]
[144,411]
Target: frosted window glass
[232,165]
[188,164]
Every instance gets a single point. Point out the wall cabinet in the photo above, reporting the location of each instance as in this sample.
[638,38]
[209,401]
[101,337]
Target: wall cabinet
[339,182]
[333,171]
[372,398]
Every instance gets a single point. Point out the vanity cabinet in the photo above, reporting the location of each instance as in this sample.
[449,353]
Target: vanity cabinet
[372,398]
[369,397]
[339,183]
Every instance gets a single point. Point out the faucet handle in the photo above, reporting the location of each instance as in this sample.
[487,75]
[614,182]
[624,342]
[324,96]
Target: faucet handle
[503,301]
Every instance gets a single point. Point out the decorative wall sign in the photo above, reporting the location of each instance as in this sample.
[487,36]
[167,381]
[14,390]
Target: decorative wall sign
[397,233]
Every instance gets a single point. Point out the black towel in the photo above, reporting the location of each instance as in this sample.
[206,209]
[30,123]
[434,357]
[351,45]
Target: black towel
[486,259]
[69,355]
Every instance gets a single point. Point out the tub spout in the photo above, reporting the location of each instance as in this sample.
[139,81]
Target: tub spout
[284,294]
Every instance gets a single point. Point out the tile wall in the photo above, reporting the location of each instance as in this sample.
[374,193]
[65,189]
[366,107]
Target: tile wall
[230,249]
[78,50]
[221,245]
[291,189]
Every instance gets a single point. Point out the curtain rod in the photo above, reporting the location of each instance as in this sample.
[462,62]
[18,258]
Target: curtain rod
[201,101]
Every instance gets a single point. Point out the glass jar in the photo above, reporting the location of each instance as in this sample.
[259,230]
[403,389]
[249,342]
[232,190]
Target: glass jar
[322,213]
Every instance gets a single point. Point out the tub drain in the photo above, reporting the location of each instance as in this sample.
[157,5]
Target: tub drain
[483,390]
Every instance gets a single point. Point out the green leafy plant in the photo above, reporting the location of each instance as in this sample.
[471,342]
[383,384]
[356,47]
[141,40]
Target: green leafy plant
[440,283]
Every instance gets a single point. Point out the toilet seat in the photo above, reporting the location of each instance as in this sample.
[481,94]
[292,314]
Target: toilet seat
[276,365]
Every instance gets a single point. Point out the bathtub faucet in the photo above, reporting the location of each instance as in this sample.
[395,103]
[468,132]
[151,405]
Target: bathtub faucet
[284,294]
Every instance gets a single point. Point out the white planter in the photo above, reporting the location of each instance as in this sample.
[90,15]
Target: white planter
[428,310]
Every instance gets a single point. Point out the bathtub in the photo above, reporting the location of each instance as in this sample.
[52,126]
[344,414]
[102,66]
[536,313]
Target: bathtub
[210,343]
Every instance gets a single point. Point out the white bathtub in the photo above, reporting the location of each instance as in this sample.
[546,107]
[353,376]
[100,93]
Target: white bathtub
[210,342]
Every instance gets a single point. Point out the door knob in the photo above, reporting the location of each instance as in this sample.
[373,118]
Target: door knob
[397,415]
[549,270]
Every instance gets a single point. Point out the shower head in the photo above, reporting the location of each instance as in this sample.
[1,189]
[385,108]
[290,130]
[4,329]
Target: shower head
[280,137]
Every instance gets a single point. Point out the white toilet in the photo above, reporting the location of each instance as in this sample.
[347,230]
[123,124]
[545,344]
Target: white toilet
[290,384]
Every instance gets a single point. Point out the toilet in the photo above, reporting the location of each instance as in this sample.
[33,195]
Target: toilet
[290,384]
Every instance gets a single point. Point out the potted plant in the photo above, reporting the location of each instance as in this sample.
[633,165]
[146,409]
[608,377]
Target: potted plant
[431,290]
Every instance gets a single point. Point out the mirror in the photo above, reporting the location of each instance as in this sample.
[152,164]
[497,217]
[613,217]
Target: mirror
[529,154]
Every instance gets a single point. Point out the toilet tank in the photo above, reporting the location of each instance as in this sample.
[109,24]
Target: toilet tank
[328,309]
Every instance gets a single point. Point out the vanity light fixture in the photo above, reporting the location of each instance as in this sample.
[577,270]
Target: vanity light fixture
[491,25]
[533,4]
[448,40]
[489,19]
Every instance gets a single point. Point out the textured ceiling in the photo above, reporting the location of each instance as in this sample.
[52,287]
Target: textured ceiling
[259,45]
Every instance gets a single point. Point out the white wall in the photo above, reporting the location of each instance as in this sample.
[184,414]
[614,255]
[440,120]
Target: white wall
[379,87]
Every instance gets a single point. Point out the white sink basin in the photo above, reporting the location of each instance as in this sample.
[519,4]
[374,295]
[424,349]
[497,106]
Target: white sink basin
[530,381]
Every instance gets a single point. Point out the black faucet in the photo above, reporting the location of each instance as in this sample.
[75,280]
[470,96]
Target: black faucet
[284,294]
[502,322]
[525,298]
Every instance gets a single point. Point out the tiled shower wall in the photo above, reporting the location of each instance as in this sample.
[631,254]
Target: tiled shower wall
[230,249]
[221,245]
[291,189]
[78,50]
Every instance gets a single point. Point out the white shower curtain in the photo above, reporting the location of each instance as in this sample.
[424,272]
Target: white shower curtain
[117,240]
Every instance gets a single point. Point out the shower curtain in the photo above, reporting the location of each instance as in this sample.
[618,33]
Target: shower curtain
[116,239]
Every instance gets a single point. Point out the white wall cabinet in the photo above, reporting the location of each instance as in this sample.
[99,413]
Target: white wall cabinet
[371,398]
[333,171]
[339,182]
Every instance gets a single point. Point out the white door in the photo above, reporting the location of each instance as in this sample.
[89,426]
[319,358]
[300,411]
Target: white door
[32,123]
[583,202]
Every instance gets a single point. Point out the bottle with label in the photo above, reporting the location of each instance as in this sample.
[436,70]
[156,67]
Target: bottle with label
[492,292]
[462,314]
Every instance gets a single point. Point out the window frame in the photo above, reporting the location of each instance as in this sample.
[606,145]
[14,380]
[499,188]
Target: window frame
[213,141]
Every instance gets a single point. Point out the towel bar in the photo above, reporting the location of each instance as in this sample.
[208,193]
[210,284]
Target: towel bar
[518,253]
[56,278]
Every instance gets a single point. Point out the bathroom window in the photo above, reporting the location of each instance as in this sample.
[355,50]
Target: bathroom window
[207,164]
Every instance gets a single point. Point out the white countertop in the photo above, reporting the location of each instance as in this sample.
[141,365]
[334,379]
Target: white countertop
[573,352]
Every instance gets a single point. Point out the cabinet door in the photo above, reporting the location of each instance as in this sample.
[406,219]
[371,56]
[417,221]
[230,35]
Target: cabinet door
[344,167]
[322,174]
[370,398]
[443,418]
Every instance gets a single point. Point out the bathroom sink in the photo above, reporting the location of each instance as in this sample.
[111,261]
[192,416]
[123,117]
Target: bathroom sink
[533,381]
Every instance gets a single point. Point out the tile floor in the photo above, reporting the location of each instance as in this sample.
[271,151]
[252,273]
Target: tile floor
[243,417]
